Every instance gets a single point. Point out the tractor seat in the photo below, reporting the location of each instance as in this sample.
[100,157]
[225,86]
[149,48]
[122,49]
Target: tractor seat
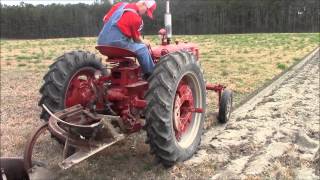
[115,52]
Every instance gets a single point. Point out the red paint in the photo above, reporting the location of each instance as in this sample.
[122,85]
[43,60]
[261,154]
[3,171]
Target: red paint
[164,49]
[183,105]
[196,110]
[138,103]
[115,52]
[124,88]
[218,88]
[215,87]
[80,89]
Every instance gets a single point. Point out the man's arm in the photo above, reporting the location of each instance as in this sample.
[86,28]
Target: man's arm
[137,25]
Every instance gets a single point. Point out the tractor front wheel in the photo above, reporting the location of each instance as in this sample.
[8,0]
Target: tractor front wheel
[225,106]
[176,108]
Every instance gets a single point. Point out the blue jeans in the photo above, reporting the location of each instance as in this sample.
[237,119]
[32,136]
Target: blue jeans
[114,37]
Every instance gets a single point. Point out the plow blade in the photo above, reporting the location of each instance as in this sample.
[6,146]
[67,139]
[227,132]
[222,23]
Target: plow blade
[81,155]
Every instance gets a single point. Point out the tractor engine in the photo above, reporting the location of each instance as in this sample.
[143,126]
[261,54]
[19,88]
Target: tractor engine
[124,88]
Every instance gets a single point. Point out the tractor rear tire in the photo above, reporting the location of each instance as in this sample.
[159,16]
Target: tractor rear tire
[60,73]
[160,113]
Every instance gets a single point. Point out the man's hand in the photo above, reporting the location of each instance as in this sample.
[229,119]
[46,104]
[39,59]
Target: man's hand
[141,40]
[146,42]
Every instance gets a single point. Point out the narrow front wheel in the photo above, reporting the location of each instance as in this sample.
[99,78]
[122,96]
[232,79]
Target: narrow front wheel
[225,106]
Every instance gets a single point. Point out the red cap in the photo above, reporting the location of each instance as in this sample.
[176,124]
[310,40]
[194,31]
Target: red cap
[151,5]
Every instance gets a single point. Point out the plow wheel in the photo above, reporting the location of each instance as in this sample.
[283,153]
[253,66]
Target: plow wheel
[176,108]
[69,81]
[225,106]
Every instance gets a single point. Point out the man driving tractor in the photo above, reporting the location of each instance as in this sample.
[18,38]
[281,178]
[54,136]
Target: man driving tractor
[122,27]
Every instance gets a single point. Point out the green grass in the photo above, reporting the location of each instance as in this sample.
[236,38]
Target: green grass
[22,65]
[243,62]
[281,66]
[22,57]
[296,59]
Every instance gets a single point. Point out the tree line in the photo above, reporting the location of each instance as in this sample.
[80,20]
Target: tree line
[188,17]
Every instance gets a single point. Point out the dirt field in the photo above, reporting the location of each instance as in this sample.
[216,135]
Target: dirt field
[275,136]
[252,145]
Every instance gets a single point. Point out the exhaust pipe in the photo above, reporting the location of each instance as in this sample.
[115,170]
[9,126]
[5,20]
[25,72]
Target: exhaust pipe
[168,22]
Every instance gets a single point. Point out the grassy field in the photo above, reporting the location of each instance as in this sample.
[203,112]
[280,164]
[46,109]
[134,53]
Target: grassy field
[241,62]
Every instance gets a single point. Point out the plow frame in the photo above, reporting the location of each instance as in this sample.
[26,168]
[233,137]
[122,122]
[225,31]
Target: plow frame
[82,147]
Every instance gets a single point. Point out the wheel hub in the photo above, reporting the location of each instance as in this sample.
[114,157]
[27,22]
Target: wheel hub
[183,105]
[80,89]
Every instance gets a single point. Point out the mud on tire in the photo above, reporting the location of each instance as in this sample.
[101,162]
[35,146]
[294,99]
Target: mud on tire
[60,73]
[163,85]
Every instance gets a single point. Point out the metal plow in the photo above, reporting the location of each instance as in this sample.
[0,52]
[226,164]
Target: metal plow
[82,133]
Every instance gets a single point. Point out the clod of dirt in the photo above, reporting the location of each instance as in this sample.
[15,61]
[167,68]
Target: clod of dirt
[305,173]
[305,142]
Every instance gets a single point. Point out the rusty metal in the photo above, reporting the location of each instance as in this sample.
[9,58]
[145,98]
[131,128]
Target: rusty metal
[76,124]
[87,147]
[82,154]
[27,155]
[80,130]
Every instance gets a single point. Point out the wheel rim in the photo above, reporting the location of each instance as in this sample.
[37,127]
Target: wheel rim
[80,88]
[185,122]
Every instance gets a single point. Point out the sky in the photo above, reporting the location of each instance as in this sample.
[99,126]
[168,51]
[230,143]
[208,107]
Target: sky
[35,2]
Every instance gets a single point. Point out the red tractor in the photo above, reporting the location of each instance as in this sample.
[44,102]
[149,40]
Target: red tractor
[170,105]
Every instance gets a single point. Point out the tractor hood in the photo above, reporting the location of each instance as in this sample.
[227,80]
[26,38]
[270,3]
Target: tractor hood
[161,50]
